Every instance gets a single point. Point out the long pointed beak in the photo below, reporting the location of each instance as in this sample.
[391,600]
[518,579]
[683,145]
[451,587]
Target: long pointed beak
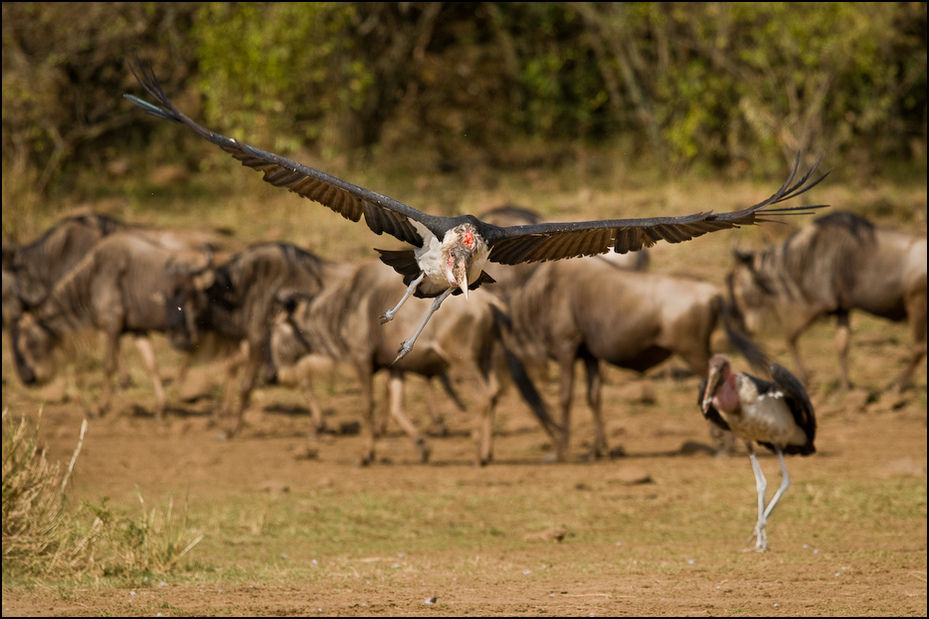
[461,276]
[459,261]
[711,384]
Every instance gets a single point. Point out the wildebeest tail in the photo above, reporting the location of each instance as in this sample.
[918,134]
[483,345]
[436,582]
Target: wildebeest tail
[741,342]
[523,381]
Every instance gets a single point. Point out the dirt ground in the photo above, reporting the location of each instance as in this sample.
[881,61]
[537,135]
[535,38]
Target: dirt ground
[842,556]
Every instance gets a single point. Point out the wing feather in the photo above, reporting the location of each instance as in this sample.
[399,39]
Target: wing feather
[381,213]
[539,242]
[801,407]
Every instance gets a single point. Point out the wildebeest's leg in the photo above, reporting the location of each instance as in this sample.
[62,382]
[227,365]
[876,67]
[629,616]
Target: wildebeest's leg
[494,388]
[391,392]
[842,333]
[303,373]
[184,371]
[125,380]
[395,399]
[306,387]
[792,343]
[566,357]
[438,420]
[485,392]
[916,313]
[594,388]
[247,378]
[109,368]
[144,344]
[366,380]
[723,440]
[233,364]
[393,396]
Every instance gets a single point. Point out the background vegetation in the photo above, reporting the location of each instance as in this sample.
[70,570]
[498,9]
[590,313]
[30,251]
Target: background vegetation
[454,87]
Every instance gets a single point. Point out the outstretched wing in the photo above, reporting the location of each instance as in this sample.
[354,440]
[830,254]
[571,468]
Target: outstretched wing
[381,213]
[553,241]
[510,245]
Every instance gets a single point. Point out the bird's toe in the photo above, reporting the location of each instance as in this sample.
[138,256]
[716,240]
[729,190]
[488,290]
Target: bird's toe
[405,347]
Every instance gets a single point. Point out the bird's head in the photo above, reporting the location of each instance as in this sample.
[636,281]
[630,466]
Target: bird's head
[718,373]
[465,253]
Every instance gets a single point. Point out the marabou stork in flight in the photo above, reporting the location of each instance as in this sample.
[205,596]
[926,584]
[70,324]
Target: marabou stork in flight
[776,414]
[448,253]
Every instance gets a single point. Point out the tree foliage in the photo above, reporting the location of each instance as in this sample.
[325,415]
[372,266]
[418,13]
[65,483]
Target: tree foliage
[707,83]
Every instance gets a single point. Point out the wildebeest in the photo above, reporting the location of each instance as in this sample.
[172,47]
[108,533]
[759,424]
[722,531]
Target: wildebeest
[589,309]
[233,303]
[343,323]
[296,366]
[839,263]
[117,288]
[31,270]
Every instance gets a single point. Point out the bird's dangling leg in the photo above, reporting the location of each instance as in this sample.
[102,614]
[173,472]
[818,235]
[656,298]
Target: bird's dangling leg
[761,485]
[407,345]
[389,314]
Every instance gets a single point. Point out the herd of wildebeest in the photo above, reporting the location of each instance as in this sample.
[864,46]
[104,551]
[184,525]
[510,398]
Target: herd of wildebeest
[275,311]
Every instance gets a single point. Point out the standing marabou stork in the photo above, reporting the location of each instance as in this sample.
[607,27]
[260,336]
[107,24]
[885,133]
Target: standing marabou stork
[777,415]
[449,253]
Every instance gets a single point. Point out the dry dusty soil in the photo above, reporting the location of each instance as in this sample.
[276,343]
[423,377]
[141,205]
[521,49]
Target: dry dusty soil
[660,530]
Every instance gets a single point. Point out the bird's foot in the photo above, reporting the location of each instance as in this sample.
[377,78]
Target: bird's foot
[761,539]
[387,316]
[405,347]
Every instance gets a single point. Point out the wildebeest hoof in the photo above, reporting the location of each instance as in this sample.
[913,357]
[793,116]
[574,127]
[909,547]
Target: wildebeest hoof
[616,452]
[425,450]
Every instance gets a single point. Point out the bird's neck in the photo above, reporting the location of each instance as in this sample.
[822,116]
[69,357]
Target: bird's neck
[726,398]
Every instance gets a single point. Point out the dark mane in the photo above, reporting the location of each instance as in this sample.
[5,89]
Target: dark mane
[856,224]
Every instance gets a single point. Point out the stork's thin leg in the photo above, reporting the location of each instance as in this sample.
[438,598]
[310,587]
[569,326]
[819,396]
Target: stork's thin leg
[785,482]
[407,345]
[389,314]
[761,486]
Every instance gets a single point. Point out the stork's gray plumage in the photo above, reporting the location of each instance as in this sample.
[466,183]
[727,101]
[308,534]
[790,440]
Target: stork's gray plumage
[447,248]
[776,414]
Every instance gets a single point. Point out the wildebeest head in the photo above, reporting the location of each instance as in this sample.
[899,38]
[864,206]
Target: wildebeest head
[751,296]
[12,306]
[186,300]
[34,350]
[287,342]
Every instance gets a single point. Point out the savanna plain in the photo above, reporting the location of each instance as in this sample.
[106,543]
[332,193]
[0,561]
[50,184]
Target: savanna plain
[274,522]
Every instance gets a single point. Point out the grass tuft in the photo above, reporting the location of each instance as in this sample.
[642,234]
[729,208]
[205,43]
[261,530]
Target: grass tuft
[43,538]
